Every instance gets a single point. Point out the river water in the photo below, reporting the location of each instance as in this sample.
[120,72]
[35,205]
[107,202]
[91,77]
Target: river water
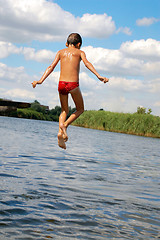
[104,186]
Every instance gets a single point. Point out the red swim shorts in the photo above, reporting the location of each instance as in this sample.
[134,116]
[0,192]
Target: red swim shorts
[65,87]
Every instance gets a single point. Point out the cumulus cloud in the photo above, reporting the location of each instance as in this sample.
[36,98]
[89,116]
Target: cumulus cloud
[154,85]
[15,83]
[120,104]
[126,84]
[137,58]
[88,83]
[18,93]
[27,20]
[7,48]
[99,26]
[42,55]
[113,62]
[142,49]
[12,74]
[39,56]
[125,30]
[146,21]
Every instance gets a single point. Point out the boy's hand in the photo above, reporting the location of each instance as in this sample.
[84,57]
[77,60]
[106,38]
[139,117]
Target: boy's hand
[34,84]
[106,80]
[103,79]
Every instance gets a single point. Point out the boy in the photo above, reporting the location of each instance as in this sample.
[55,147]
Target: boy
[69,58]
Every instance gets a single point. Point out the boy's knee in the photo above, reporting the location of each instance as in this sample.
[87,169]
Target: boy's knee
[66,111]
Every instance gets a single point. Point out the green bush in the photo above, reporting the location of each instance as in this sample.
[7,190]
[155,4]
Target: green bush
[31,114]
[40,113]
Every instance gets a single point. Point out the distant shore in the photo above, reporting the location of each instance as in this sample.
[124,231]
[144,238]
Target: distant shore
[136,124]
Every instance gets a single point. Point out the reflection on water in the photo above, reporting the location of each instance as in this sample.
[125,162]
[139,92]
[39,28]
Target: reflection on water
[104,186]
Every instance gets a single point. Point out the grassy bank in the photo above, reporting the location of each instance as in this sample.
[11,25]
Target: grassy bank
[137,124]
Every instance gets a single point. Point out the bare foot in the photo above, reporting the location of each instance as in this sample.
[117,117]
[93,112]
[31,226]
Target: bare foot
[61,142]
[65,137]
[64,131]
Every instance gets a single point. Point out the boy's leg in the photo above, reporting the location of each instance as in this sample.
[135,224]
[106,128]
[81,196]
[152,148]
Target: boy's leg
[64,109]
[62,134]
[78,100]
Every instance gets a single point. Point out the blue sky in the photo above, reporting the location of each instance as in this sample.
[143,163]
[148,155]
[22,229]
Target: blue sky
[120,38]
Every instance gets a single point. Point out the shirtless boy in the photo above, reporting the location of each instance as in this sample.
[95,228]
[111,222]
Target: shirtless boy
[69,58]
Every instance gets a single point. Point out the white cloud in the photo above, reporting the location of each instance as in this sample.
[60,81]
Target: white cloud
[27,20]
[16,83]
[137,58]
[153,85]
[125,30]
[146,21]
[157,104]
[142,49]
[89,83]
[18,93]
[52,80]
[32,19]
[151,69]
[12,74]
[113,62]
[120,104]
[43,55]
[39,56]
[99,26]
[126,84]
[7,48]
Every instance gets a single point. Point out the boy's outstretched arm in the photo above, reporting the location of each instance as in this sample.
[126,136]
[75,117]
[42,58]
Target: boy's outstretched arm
[91,68]
[47,71]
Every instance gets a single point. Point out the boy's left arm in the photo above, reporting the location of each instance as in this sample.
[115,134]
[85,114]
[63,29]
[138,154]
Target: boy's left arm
[48,71]
[92,69]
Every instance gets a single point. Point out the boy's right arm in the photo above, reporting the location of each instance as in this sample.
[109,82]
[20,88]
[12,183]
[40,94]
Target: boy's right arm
[48,70]
[91,68]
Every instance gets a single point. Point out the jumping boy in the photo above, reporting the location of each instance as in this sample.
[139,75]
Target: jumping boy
[69,58]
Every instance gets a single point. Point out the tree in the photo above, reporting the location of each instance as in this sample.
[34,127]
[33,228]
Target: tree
[37,107]
[149,111]
[142,110]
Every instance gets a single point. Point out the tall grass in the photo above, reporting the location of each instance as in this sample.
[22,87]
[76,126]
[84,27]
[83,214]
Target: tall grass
[138,124]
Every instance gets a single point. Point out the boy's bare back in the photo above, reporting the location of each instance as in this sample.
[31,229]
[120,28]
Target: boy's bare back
[70,64]
[70,58]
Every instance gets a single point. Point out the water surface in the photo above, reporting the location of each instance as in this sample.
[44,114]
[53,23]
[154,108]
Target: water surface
[104,186]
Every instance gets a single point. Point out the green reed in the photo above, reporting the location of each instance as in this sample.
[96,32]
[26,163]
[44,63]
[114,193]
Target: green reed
[138,124]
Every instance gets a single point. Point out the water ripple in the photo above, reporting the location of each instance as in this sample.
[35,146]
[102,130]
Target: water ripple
[8,175]
[86,192]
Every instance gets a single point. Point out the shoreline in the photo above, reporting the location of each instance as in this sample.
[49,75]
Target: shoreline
[129,133]
[145,125]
